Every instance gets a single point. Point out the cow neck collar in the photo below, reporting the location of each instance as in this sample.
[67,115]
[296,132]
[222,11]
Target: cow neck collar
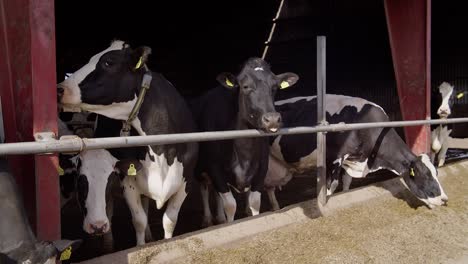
[145,85]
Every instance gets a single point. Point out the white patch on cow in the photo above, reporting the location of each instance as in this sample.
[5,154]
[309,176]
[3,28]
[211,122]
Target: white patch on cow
[229,205]
[71,89]
[163,180]
[356,169]
[439,200]
[295,99]
[446,91]
[334,102]
[254,202]
[258,69]
[119,111]
[96,165]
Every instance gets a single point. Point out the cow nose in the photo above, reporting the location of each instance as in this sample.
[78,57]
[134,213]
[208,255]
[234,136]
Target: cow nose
[271,121]
[99,227]
[444,111]
[444,199]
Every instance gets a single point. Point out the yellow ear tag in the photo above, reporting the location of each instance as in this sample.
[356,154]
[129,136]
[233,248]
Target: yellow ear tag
[139,63]
[411,172]
[131,170]
[229,83]
[284,85]
[61,172]
[460,95]
[66,254]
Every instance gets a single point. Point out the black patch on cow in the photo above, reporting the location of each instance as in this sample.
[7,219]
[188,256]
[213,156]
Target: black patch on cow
[82,188]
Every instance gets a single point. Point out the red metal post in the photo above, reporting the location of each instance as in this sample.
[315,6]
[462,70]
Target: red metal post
[44,92]
[409,30]
[27,76]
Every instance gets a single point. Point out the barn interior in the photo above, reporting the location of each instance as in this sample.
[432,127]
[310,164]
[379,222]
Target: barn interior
[193,41]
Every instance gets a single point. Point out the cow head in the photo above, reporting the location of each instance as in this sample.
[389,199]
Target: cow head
[256,86]
[421,179]
[446,91]
[108,84]
[449,96]
[95,186]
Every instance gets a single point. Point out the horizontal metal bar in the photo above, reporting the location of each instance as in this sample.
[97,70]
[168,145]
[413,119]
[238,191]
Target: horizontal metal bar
[77,144]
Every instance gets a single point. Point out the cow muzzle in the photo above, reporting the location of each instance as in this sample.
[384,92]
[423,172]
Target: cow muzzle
[98,228]
[271,121]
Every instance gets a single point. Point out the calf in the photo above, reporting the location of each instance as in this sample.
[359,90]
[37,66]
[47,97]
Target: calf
[97,188]
[440,135]
[354,153]
[243,101]
[17,241]
[109,85]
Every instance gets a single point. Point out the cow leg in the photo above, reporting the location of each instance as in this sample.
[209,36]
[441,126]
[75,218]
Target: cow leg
[139,217]
[333,178]
[442,154]
[247,210]
[255,202]
[205,194]
[346,180]
[145,204]
[172,211]
[272,197]
[229,204]
[220,215]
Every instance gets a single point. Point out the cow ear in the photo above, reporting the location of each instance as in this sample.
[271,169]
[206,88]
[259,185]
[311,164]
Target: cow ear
[140,57]
[461,94]
[287,79]
[65,248]
[227,80]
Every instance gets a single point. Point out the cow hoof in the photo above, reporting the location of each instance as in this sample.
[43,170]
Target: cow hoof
[206,223]
[441,163]
[220,220]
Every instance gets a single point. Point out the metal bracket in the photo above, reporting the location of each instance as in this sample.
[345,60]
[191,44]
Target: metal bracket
[45,137]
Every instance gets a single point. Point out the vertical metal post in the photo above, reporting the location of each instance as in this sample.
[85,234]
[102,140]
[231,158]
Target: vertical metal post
[321,120]
[409,29]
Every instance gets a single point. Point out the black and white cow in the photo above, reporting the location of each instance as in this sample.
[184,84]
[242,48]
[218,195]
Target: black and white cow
[17,241]
[440,135]
[244,101]
[354,154]
[109,85]
[98,187]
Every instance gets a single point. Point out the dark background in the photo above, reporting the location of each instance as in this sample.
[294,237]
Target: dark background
[193,41]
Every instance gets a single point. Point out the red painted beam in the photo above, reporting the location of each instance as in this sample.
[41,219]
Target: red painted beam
[409,30]
[27,76]
[44,93]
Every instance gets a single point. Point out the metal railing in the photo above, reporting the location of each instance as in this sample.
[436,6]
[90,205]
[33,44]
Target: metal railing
[76,144]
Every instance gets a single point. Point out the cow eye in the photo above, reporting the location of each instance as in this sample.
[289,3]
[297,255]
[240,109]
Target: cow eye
[108,63]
